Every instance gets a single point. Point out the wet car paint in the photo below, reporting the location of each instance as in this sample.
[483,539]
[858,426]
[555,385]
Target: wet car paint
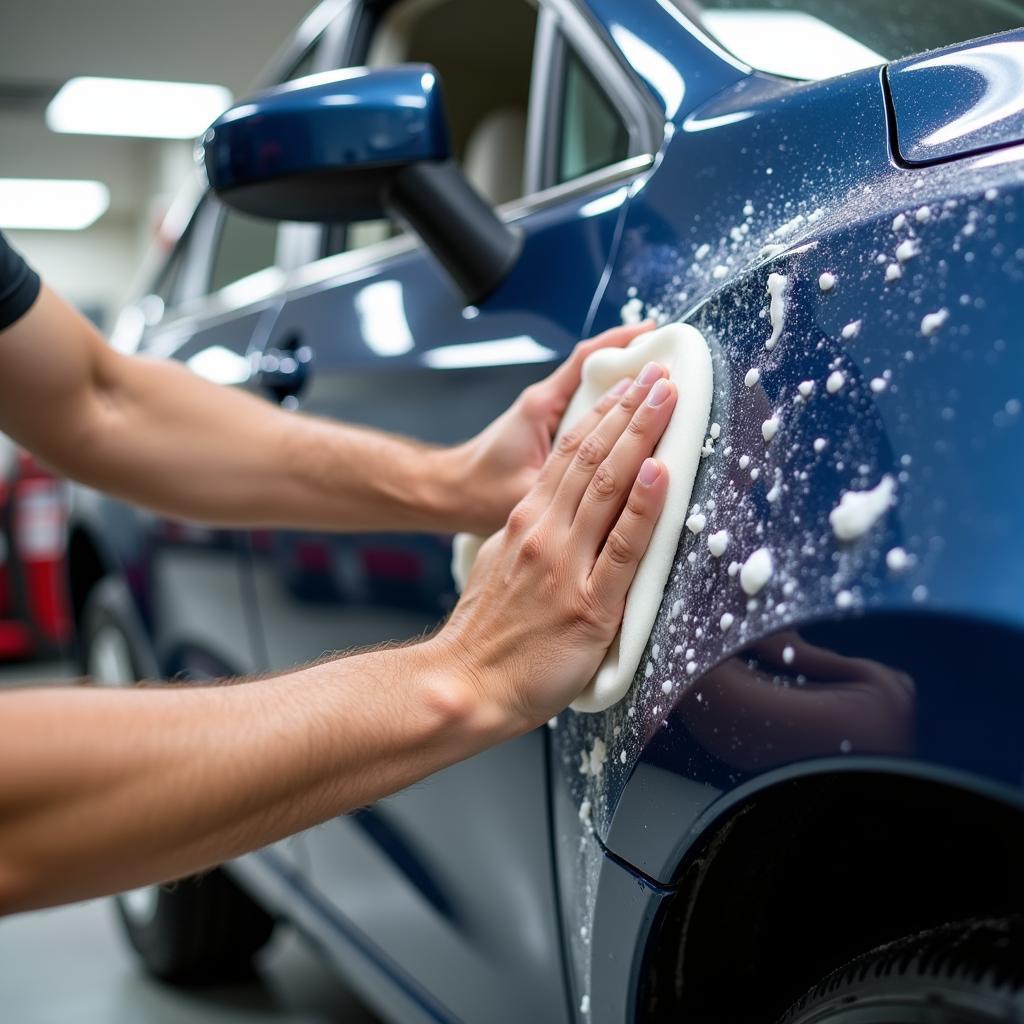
[918,664]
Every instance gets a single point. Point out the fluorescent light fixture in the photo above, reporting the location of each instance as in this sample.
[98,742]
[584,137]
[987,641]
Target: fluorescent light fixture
[788,43]
[127,106]
[500,352]
[51,204]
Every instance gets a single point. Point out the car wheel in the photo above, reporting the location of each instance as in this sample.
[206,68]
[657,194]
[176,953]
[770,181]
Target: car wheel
[201,929]
[971,972]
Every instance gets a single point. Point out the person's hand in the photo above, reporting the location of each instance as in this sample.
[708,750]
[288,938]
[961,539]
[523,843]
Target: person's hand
[498,466]
[547,592]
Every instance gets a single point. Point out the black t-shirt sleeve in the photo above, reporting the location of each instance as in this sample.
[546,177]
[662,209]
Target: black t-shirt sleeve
[19,285]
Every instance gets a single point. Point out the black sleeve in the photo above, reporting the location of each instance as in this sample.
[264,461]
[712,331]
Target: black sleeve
[19,285]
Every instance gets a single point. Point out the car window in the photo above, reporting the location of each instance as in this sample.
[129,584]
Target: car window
[168,284]
[244,245]
[814,39]
[592,134]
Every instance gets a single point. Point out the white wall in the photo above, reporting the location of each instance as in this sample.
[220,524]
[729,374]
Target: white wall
[48,41]
[90,268]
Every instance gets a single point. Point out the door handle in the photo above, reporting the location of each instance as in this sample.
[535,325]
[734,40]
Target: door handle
[284,370]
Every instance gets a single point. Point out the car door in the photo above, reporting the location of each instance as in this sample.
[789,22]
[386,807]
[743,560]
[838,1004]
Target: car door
[451,879]
[214,299]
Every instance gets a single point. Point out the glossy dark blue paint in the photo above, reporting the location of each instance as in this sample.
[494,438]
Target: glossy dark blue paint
[338,125]
[512,886]
[961,100]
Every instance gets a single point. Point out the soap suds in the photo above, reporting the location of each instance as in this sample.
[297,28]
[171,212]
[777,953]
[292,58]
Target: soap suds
[788,654]
[878,384]
[805,387]
[585,812]
[893,272]
[923,214]
[899,222]
[836,380]
[752,377]
[844,599]
[744,461]
[896,559]
[858,511]
[907,249]
[696,522]
[769,428]
[827,281]
[720,271]
[819,444]
[756,572]
[726,621]
[718,542]
[851,330]
[931,322]
[632,311]
[776,307]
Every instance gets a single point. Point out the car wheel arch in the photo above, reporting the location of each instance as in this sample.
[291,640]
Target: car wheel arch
[812,870]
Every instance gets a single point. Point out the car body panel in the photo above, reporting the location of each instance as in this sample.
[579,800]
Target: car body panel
[944,423]
[395,349]
[960,100]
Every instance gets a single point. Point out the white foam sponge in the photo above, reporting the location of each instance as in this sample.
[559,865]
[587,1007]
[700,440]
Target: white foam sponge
[681,349]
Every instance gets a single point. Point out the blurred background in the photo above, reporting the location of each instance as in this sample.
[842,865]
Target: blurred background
[47,43]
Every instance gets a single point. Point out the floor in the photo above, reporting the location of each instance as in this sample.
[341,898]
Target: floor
[70,964]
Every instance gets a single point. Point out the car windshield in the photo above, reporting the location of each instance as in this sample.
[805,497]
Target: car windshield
[815,39]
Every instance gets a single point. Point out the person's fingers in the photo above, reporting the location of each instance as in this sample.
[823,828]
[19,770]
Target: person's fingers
[568,444]
[596,445]
[557,389]
[624,547]
[610,483]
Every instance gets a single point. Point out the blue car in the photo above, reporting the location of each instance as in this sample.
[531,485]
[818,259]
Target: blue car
[808,806]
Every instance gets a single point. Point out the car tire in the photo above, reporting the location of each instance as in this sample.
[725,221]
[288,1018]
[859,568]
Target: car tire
[199,930]
[970,972]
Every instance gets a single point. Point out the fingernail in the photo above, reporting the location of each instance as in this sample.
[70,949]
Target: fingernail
[621,388]
[661,390]
[649,472]
[649,374]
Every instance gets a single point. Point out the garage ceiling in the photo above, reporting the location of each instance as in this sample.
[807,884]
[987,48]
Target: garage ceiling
[45,42]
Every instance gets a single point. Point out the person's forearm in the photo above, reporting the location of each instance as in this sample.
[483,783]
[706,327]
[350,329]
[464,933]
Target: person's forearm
[104,790]
[229,458]
[154,433]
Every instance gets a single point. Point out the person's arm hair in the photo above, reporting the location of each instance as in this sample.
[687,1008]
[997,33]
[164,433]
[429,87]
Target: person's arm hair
[105,790]
[153,433]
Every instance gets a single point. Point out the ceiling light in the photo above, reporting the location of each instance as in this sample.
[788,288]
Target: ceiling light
[51,204]
[127,106]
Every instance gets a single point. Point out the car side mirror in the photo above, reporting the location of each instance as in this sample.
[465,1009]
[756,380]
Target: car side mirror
[354,145]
